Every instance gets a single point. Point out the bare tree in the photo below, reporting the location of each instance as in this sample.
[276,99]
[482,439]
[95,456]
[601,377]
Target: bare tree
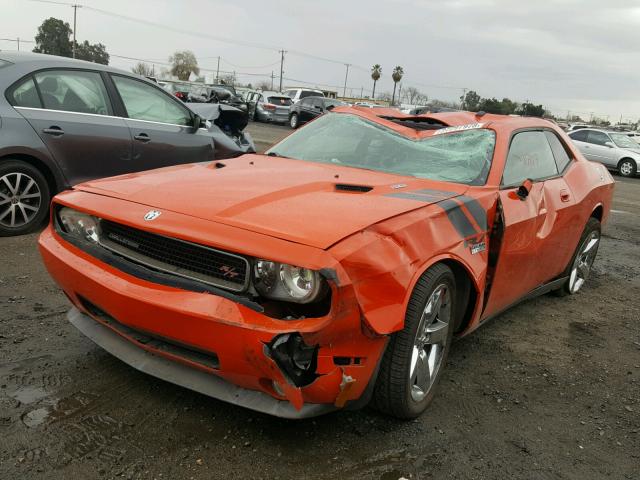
[183,64]
[263,85]
[228,79]
[413,96]
[143,69]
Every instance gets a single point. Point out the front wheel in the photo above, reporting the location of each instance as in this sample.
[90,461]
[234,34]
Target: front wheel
[24,198]
[293,121]
[415,357]
[627,167]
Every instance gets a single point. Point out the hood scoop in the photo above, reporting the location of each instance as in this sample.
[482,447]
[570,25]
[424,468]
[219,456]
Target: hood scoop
[347,187]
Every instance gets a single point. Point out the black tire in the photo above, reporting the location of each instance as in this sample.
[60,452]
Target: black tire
[627,167]
[16,177]
[392,394]
[293,121]
[593,225]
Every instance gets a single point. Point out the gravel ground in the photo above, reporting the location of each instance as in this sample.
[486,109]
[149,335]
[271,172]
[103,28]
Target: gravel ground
[548,390]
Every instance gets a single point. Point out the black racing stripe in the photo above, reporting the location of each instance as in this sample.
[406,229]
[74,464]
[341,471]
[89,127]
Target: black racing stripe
[457,218]
[478,213]
[413,196]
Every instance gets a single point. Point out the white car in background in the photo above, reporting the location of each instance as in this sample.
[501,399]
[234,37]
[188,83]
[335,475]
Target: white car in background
[299,93]
[615,150]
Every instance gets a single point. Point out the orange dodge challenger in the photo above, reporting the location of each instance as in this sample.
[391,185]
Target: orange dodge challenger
[334,270]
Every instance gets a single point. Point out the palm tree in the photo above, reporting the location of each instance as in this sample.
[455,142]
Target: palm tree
[376,71]
[397,74]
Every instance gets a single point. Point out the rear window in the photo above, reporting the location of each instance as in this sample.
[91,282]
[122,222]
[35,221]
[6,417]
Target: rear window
[26,95]
[310,93]
[286,101]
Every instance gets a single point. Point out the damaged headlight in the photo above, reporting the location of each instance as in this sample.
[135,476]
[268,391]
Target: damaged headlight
[280,281]
[79,225]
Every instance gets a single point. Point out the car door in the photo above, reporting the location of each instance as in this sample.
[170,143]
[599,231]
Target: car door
[598,149]
[74,117]
[161,127]
[579,138]
[316,107]
[519,268]
[304,107]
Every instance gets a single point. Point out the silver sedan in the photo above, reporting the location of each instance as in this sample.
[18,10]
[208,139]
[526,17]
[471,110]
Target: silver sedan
[615,150]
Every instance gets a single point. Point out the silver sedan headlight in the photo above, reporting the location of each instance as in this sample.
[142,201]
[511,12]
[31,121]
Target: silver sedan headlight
[79,225]
[281,281]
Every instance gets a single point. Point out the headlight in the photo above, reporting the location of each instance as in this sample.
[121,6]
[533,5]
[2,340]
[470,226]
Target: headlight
[79,225]
[280,281]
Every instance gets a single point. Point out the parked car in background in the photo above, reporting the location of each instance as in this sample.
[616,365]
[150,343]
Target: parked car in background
[268,106]
[615,150]
[65,121]
[576,126]
[178,89]
[299,93]
[311,107]
[341,275]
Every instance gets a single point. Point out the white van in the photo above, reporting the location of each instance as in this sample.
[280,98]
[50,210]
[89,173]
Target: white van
[298,93]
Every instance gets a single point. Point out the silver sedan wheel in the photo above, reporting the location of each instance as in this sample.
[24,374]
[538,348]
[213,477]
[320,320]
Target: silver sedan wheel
[20,199]
[583,261]
[430,343]
[626,168]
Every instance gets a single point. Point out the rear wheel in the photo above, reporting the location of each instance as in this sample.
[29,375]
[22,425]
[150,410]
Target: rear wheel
[415,357]
[293,121]
[580,266]
[627,167]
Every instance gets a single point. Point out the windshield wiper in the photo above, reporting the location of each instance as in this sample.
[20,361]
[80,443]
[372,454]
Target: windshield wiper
[275,154]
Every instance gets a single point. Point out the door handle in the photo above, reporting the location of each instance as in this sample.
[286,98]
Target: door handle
[142,137]
[565,196]
[53,130]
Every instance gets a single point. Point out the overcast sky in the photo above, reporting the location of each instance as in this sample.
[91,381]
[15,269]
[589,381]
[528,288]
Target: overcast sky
[577,55]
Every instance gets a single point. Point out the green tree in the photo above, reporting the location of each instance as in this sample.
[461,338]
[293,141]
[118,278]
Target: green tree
[470,101]
[183,63]
[96,53]
[143,69]
[53,38]
[376,71]
[397,75]
[530,110]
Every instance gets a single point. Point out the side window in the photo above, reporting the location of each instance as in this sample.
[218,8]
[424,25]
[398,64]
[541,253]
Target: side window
[290,93]
[307,93]
[530,156]
[74,91]
[26,95]
[146,102]
[559,151]
[579,135]
[598,138]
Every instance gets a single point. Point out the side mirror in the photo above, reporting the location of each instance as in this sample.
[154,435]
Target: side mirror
[524,189]
[609,144]
[198,122]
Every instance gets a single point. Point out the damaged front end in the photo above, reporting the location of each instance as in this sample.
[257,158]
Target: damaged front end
[226,124]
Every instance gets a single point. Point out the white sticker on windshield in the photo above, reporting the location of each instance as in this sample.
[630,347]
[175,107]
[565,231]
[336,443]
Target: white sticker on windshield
[459,128]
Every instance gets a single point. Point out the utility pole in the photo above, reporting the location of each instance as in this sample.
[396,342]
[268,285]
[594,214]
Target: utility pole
[361,91]
[75,15]
[464,98]
[218,71]
[344,92]
[18,40]
[282,52]
[272,77]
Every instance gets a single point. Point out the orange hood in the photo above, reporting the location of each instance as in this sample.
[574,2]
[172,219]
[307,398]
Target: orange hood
[289,199]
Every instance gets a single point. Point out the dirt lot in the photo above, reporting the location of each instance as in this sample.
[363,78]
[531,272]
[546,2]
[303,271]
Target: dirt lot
[549,390]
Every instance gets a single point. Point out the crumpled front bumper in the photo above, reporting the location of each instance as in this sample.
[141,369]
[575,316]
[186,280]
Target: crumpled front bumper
[246,372]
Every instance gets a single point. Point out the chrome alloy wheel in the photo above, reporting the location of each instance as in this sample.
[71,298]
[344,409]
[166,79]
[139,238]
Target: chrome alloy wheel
[626,168]
[583,261]
[430,342]
[20,199]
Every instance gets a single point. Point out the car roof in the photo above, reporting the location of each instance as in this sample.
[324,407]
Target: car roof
[40,60]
